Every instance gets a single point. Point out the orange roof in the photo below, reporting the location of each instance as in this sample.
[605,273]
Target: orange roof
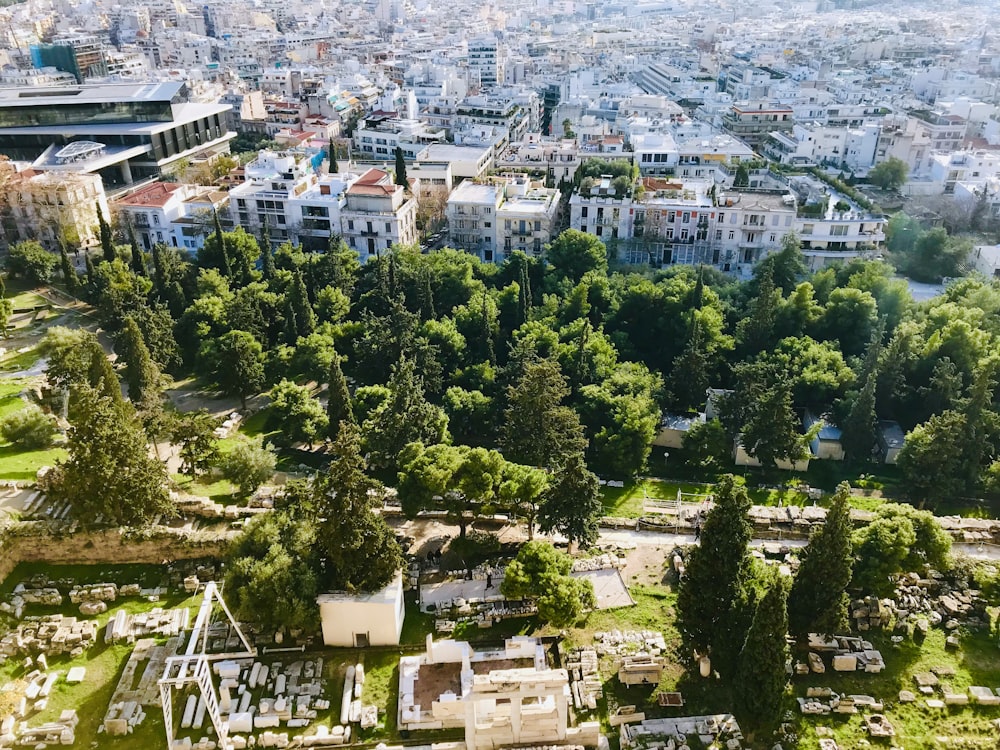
[373,182]
[656,183]
[154,195]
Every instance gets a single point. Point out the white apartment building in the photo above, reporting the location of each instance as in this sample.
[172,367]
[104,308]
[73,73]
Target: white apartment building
[492,220]
[486,61]
[172,214]
[378,136]
[972,167]
[378,215]
[273,180]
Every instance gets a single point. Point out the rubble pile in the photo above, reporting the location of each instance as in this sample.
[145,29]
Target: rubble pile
[921,603]
[50,635]
[94,592]
[598,562]
[624,643]
[820,701]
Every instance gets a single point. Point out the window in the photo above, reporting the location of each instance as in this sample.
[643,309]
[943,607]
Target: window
[583,214]
[350,227]
[732,235]
[388,226]
[488,224]
[598,230]
[684,234]
[538,224]
[718,234]
[722,217]
[838,230]
[774,220]
[774,238]
[686,218]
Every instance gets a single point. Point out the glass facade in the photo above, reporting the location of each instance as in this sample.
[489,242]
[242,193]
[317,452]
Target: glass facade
[84,113]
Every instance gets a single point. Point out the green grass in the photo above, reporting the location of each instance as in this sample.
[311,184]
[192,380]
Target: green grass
[10,395]
[21,465]
[16,361]
[221,491]
[627,501]
[28,299]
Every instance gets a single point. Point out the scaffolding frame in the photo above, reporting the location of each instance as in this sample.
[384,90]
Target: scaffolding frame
[194,667]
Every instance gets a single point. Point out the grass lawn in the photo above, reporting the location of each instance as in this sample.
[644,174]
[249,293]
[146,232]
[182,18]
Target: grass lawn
[28,299]
[10,395]
[627,501]
[221,491]
[23,465]
[16,361]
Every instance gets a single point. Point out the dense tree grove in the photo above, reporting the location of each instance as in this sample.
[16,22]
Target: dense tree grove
[559,366]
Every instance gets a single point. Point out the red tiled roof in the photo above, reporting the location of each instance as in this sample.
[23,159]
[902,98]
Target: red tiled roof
[153,195]
[373,182]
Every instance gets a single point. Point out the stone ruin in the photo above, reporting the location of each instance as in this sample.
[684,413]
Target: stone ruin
[50,635]
[60,732]
[629,642]
[922,603]
[585,682]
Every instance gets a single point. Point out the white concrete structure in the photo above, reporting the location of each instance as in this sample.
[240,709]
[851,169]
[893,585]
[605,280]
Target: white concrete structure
[378,215]
[45,206]
[361,620]
[173,214]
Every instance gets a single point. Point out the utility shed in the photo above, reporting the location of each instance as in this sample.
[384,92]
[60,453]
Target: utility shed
[360,620]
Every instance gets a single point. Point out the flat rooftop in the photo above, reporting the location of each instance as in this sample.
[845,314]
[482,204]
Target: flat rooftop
[56,96]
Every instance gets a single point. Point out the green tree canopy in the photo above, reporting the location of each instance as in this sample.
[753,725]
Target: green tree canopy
[541,572]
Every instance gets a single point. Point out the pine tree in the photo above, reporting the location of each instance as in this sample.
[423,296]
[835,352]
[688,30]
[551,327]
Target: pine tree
[109,472]
[107,240]
[305,318]
[401,169]
[689,376]
[141,373]
[572,503]
[332,154]
[338,405]
[757,329]
[716,576]
[69,275]
[266,253]
[138,264]
[760,677]
[818,601]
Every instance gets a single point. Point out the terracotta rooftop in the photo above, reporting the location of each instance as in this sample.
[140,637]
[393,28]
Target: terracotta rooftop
[154,195]
[373,182]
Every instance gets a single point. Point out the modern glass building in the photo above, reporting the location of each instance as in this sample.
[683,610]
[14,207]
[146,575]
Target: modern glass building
[145,127]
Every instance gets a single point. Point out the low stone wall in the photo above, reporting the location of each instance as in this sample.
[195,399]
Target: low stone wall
[37,542]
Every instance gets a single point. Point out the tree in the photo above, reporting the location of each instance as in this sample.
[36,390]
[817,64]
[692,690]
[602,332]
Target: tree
[572,503]
[69,274]
[357,549]
[890,174]
[537,429]
[194,433]
[716,577]
[742,178]
[522,491]
[301,417]
[755,332]
[270,571]
[138,262]
[708,445]
[109,472]
[338,405]
[6,310]
[818,600]
[935,255]
[900,538]
[404,418]
[574,253]
[107,239]
[141,374]
[401,169]
[932,459]
[248,465]
[30,261]
[541,572]
[331,154]
[29,428]
[298,299]
[760,676]
[236,361]
[859,431]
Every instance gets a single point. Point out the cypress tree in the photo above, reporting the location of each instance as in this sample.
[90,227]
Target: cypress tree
[69,275]
[291,326]
[107,240]
[221,237]
[338,406]
[401,169]
[427,299]
[266,253]
[138,264]
[159,279]
[716,577]
[298,296]
[332,154]
[488,332]
[102,374]
[760,677]
[523,295]
[90,268]
[3,287]
[141,374]
[818,601]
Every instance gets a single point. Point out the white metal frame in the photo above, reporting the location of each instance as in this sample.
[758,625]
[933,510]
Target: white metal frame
[194,667]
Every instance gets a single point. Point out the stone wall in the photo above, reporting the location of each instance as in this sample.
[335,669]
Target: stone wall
[37,542]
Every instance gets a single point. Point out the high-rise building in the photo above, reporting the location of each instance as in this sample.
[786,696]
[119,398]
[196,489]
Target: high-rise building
[82,56]
[486,58]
